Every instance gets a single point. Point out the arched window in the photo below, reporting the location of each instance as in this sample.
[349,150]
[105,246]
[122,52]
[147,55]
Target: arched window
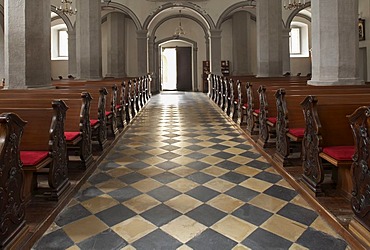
[299,40]
[59,42]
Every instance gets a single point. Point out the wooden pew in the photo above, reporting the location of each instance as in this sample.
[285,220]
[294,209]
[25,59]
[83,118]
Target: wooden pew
[328,136]
[78,127]
[360,202]
[12,209]
[289,117]
[43,144]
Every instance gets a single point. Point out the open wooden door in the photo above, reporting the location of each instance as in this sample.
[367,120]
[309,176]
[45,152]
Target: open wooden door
[184,71]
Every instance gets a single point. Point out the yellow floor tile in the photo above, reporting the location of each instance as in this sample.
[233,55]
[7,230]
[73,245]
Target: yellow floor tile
[182,171]
[151,171]
[215,171]
[211,160]
[284,227]
[183,185]
[256,184]
[234,228]
[154,160]
[146,185]
[248,171]
[99,203]
[84,228]
[225,203]
[141,203]
[321,225]
[121,171]
[219,185]
[240,159]
[183,228]
[111,185]
[183,203]
[182,160]
[268,203]
[133,228]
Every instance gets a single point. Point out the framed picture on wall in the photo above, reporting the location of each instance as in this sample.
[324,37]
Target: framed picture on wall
[361,29]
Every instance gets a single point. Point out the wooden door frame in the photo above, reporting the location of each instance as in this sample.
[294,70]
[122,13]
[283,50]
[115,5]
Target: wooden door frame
[188,42]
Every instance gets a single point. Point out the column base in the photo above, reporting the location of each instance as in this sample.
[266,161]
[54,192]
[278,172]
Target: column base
[335,82]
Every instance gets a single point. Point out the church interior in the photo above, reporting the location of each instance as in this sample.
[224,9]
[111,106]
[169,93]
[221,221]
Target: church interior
[171,124]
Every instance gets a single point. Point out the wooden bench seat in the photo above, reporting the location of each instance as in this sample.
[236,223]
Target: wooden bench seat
[328,136]
[77,120]
[43,145]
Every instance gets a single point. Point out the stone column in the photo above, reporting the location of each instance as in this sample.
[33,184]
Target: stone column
[72,64]
[240,34]
[142,48]
[286,50]
[151,45]
[269,25]
[2,65]
[207,47]
[116,45]
[215,55]
[88,39]
[27,44]
[334,42]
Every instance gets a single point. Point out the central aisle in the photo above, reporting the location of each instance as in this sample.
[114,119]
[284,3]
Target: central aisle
[182,177]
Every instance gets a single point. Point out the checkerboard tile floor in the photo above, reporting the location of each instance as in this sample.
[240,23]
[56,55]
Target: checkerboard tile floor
[183,178]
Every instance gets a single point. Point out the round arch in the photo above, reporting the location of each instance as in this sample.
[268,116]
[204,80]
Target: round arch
[295,13]
[64,17]
[226,14]
[125,10]
[154,30]
[194,45]
[197,9]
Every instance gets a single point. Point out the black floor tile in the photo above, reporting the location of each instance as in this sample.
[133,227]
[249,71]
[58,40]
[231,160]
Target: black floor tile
[124,194]
[298,213]
[211,240]
[269,177]
[219,147]
[169,156]
[203,193]
[71,214]
[163,193]
[157,240]
[109,166]
[206,215]
[167,165]
[230,165]
[316,240]
[281,192]
[251,155]
[199,177]
[54,240]
[166,177]
[137,165]
[99,178]
[160,215]
[132,178]
[252,214]
[259,164]
[242,193]
[107,240]
[197,165]
[196,155]
[264,240]
[88,193]
[115,215]
[234,177]
[223,155]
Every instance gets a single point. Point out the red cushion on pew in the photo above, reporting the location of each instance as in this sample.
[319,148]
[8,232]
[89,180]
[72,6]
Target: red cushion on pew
[93,122]
[257,111]
[297,132]
[236,101]
[118,106]
[108,113]
[272,120]
[70,136]
[340,152]
[31,158]
[245,105]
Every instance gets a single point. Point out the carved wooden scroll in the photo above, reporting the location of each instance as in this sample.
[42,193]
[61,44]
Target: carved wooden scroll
[85,129]
[250,108]
[282,140]
[132,97]
[313,172]
[226,95]
[113,122]
[137,94]
[150,79]
[240,103]
[231,103]
[263,129]
[140,90]
[209,81]
[360,124]
[58,172]
[12,206]
[127,101]
[102,136]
